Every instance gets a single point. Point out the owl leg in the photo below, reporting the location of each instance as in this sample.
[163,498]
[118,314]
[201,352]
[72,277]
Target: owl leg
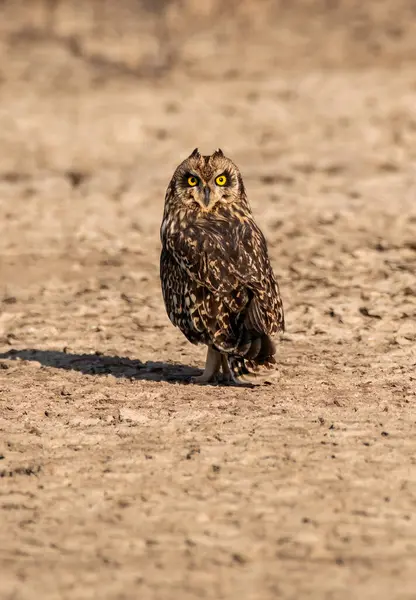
[226,371]
[212,367]
[229,377]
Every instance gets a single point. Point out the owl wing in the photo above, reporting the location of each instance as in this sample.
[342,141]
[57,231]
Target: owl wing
[178,293]
[228,265]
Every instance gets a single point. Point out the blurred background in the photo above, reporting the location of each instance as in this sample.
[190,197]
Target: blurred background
[70,43]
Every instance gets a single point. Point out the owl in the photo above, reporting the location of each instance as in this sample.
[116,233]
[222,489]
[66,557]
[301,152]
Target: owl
[217,281]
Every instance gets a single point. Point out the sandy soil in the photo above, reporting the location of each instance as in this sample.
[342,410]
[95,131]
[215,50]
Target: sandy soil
[119,479]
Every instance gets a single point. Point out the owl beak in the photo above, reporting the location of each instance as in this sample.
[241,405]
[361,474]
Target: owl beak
[207,192]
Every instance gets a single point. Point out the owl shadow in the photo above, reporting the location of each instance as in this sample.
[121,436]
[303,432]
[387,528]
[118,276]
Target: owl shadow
[100,364]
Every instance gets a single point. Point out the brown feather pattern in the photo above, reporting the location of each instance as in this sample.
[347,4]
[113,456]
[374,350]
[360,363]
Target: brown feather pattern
[217,281]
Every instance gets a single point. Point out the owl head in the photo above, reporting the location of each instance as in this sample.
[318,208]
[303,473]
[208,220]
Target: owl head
[207,183]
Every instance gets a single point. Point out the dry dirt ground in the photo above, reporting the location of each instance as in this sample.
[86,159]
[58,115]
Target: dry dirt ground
[118,478]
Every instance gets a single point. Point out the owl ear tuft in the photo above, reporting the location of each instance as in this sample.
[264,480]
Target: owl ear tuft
[195,154]
[218,152]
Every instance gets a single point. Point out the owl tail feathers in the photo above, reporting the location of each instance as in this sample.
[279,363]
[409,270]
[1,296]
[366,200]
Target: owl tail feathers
[242,366]
[256,361]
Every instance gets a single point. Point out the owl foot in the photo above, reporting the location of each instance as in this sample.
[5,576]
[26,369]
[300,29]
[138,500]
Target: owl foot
[204,378]
[212,368]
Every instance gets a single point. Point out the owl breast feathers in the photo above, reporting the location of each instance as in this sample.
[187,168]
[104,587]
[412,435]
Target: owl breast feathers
[218,285]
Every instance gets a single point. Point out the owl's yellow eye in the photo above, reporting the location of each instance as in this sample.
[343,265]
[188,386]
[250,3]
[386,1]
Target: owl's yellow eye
[192,181]
[221,180]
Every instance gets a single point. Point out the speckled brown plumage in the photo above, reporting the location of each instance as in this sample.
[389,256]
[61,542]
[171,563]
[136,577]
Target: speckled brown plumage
[218,285]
